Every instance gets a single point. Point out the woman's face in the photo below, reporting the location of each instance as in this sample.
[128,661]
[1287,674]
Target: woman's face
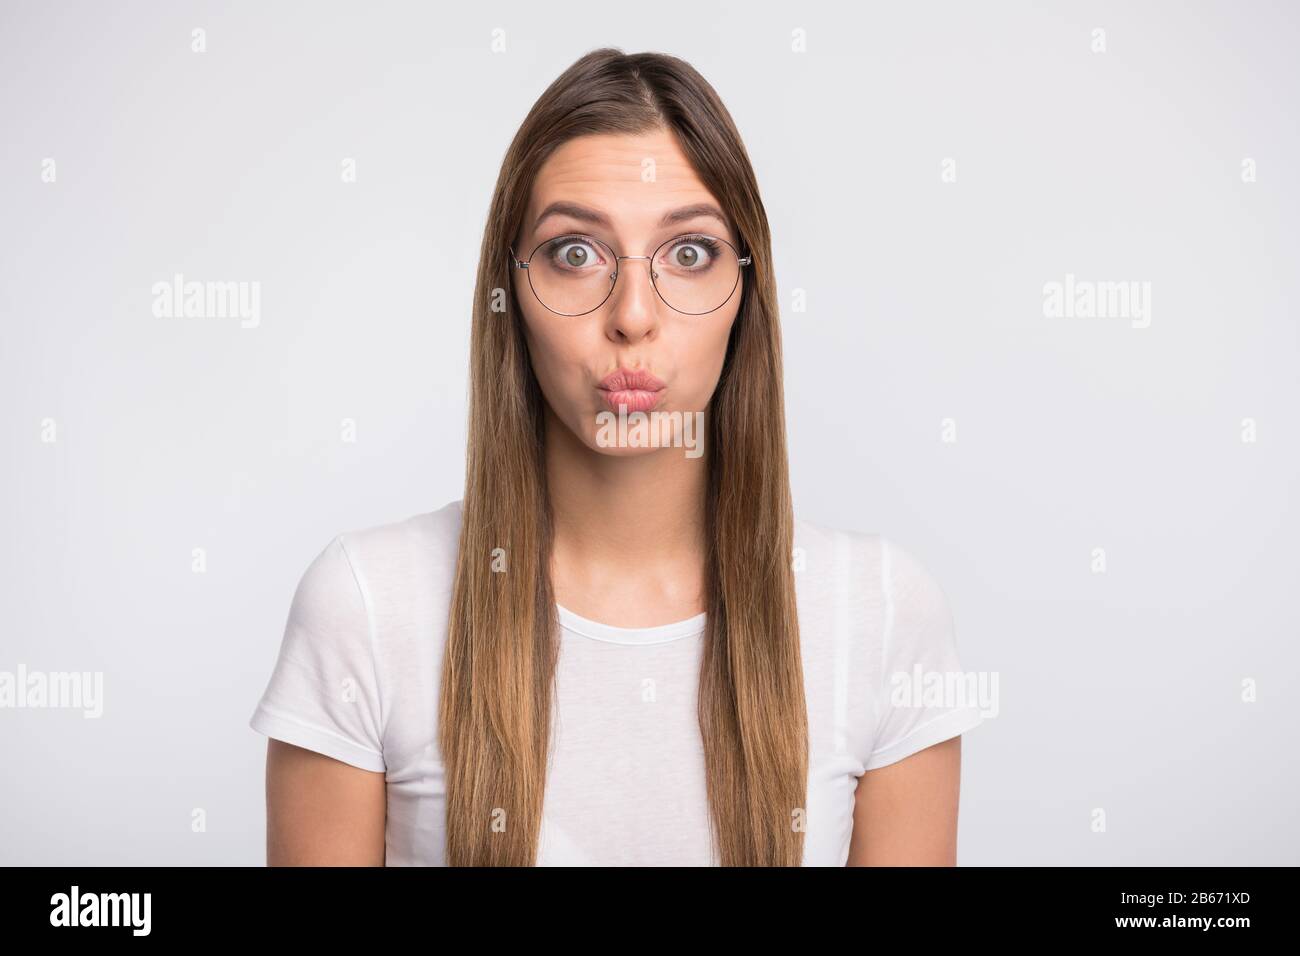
[628,191]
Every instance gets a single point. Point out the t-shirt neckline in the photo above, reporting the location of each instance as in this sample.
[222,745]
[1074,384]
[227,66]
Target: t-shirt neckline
[630,635]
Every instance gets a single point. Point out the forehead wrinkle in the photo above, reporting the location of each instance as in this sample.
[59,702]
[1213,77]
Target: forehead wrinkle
[630,207]
[604,173]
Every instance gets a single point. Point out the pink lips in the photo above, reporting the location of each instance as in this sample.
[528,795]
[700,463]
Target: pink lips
[638,390]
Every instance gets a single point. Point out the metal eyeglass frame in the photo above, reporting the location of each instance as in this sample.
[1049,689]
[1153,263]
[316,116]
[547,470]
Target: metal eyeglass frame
[742,261]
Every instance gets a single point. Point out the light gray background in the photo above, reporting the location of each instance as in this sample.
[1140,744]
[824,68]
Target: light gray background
[1119,691]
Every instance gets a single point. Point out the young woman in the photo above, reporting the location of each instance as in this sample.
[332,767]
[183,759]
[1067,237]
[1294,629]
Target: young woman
[620,647]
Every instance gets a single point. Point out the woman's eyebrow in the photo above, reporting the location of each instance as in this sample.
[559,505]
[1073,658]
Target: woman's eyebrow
[586,214]
[693,211]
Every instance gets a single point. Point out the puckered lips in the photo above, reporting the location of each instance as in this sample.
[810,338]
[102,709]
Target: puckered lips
[636,389]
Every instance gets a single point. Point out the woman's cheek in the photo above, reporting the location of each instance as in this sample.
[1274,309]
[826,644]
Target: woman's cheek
[558,364]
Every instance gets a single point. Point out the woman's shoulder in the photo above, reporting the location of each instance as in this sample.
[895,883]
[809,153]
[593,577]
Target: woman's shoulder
[355,671]
[418,542]
[384,572]
[868,564]
[837,547]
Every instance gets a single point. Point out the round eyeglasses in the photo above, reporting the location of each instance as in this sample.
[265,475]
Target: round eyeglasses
[573,274]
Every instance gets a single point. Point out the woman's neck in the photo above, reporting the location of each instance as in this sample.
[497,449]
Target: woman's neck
[628,531]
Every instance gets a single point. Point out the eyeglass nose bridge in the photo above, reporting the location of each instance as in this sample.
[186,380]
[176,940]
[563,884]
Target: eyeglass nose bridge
[523,263]
[618,259]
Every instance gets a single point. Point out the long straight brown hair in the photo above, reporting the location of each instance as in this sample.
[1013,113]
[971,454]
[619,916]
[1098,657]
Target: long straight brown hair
[498,671]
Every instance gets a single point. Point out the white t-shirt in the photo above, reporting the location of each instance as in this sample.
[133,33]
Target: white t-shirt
[357,678]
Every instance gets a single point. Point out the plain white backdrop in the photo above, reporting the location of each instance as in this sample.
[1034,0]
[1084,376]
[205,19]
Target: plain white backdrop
[913,314]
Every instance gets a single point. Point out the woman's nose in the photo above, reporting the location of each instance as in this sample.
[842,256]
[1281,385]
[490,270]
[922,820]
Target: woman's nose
[634,314]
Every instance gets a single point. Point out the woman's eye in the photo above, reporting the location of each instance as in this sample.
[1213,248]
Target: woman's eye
[575,254]
[689,255]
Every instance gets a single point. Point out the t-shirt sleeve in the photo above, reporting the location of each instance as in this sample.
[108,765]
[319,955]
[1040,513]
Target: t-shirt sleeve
[324,691]
[924,696]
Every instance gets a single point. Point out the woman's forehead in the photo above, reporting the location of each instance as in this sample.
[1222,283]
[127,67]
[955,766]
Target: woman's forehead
[633,181]
[619,150]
